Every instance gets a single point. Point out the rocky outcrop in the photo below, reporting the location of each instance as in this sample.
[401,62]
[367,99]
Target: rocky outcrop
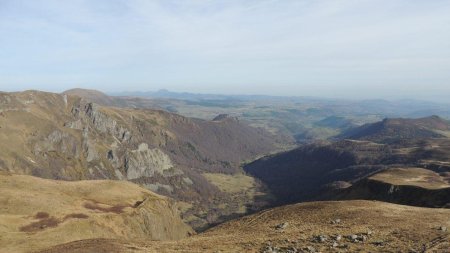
[103,123]
[145,162]
[65,137]
[57,141]
[400,194]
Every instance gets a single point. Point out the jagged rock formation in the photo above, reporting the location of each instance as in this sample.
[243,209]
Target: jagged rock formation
[66,137]
[38,213]
[408,186]
[145,162]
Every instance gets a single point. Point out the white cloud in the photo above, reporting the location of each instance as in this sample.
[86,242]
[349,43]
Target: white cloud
[217,46]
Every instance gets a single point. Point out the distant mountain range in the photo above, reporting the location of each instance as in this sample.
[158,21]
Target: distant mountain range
[304,119]
[164,93]
[402,107]
[82,171]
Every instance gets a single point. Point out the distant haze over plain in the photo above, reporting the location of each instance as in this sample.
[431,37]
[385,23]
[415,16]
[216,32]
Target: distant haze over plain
[337,49]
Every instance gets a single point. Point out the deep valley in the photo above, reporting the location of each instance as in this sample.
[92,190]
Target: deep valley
[85,172]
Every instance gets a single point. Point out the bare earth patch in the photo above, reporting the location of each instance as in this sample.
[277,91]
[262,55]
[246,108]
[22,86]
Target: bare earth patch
[38,213]
[412,176]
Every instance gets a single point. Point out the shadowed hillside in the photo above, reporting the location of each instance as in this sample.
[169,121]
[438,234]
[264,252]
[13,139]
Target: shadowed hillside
[322,170]
[304,173]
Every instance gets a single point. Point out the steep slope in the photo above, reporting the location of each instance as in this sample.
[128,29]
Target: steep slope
[38,213]
[390,130]
[304,173]
[321,170]
[409,186]
[345,226]
[217,110]
[65,137]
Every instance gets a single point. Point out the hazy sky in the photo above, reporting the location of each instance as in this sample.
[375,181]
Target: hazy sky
[348,48]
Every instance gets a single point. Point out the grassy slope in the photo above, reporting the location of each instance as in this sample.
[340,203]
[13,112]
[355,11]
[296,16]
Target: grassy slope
[37,213]
[42,135]
[412,176]
[397,228]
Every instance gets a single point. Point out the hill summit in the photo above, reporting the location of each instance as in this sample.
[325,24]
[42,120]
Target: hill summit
[400,128]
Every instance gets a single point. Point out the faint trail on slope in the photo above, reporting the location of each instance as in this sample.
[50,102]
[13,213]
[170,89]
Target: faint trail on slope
[436,244]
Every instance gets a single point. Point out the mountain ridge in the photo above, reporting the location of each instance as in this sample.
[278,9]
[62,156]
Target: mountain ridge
[66,137]
[400,128]
[323,170]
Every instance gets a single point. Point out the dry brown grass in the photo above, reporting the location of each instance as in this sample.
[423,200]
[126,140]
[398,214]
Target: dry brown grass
[52,136]
[399,228]
[412,176]
[38,213]
[231,183]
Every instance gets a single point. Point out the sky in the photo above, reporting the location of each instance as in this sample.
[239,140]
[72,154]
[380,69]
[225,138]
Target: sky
[338,48]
